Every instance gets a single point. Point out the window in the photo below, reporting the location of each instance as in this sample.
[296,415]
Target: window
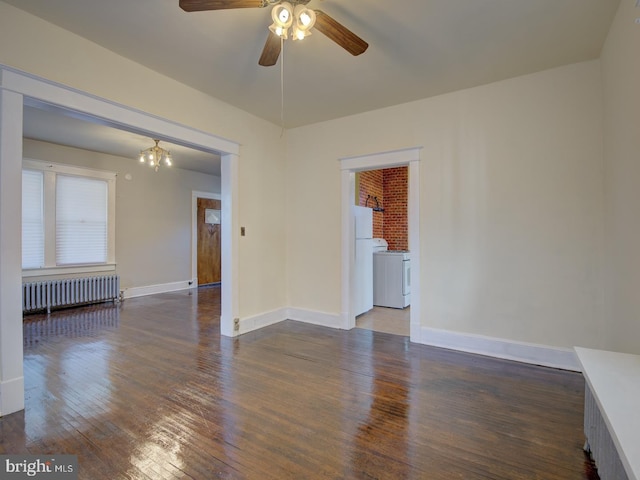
[81,220]
[32,220]
[68,216]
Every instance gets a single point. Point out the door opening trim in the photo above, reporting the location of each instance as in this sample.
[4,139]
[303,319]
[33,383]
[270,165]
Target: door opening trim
[376,161]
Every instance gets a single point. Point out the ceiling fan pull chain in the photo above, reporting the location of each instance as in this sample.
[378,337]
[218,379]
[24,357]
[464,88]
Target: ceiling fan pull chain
[282,87]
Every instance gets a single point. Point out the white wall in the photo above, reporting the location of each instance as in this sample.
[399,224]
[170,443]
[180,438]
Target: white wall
[35,46]
[511,206]
[153,212]
[512,188]
[621,79]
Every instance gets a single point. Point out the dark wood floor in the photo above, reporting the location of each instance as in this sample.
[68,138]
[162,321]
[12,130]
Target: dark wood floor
[150,390]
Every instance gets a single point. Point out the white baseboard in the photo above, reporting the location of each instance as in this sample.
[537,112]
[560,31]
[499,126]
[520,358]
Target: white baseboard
[262,320]
[11,396]
[161,288]
[555,357]
[315,318]
[256,322]
[544,355]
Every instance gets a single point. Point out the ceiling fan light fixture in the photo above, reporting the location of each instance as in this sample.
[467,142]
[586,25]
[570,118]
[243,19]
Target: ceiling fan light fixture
[305,17]
[299,34]
[279,31]
[282,15]
[304,20]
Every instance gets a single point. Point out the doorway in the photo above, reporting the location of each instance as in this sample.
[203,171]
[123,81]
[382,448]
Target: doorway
[349,167]
[18,89]
[207,233]
[385,192]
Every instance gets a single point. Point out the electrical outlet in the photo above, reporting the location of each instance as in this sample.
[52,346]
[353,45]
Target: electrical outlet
[242,231]
[236,324]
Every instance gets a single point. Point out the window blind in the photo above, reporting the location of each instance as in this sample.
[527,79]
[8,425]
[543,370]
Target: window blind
[32,219]
[81,220]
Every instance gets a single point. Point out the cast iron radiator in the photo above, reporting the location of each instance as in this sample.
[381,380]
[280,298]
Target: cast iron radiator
[68,292]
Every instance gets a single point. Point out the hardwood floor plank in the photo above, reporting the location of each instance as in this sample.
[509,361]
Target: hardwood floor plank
[150,390]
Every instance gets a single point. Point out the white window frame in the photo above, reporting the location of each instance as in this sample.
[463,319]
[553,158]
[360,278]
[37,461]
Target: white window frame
[50,171]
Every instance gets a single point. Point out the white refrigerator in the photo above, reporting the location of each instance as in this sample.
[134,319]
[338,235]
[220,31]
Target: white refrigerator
[363,274]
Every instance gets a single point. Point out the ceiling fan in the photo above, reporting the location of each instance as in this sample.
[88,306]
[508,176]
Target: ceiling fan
[284,13]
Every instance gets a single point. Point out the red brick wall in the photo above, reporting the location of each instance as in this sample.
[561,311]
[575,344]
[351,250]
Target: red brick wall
[391,187]
[371,183]
[396,222]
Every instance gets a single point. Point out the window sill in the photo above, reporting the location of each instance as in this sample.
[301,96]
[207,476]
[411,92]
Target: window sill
[70,270]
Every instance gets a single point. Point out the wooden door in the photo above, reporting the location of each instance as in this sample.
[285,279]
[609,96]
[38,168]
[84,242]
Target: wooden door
[209,269]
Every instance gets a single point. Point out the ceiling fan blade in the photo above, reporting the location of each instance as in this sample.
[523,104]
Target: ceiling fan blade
[271,50]
[339,34]
[204,5]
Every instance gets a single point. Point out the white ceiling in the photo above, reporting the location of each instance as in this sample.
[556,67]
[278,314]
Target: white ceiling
[417,48]
[58,127]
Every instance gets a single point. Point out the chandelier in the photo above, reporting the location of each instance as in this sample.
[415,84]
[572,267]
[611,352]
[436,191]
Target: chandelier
[299,19]
[153,156]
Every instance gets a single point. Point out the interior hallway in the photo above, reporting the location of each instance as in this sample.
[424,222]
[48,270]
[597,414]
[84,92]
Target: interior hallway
[150,390]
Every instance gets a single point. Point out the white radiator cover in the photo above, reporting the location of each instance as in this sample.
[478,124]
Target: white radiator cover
[599,442]
[69,291]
